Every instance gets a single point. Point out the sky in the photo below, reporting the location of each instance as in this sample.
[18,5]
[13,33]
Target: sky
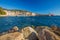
[36,6]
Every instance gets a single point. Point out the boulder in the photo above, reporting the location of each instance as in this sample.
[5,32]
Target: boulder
[20,37]
[54,27]
[45,34]
[38,28]
[15,28]
[29,33]
[12,36]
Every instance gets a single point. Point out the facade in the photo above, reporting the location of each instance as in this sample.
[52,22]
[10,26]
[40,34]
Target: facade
[10,13]
[33,14]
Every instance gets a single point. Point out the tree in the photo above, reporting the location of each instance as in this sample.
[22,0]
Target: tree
[2,11]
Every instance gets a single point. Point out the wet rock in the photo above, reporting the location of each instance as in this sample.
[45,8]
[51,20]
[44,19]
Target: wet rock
[29,33]
[45,34]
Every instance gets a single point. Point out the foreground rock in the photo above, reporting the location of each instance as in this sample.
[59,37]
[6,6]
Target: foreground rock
[12,36]
[45,34]
[56,30]
[42,27]
[14,29]
[26,33]
[29,33]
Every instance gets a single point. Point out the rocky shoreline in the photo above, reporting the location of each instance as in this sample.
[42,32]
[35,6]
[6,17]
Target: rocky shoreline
[31,33]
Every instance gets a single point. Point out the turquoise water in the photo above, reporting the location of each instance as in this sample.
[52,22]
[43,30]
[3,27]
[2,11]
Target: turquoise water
[7,23]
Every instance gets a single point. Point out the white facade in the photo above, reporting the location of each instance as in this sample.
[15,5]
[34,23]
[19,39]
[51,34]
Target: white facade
[33,14]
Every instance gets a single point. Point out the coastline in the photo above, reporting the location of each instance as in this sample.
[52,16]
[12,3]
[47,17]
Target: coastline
[14,16]
[35,33]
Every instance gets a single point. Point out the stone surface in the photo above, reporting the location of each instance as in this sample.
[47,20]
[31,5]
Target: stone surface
[12,36]
[54,28]
[20,37]
[26,33]
[15,28]
[41,27]
[29,33]
[45,34]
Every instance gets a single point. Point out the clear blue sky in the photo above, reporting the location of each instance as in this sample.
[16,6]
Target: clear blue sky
[38,6]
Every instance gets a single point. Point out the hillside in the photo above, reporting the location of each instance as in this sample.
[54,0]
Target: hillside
[15,12]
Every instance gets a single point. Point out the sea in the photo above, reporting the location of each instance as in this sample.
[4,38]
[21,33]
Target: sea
[9,22]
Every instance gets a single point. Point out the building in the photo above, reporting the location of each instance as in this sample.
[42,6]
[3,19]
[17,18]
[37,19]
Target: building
[18,13]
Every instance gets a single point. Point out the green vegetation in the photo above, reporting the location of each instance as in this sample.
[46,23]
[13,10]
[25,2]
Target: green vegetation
[2,12]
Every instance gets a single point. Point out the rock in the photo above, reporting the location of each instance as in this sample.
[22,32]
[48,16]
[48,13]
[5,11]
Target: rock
[15,28]
[45,34]
[26,33]
[12,36]
[11,31]
[4,33]
[41,27]
[54,28]
[29,33]
[20,37]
